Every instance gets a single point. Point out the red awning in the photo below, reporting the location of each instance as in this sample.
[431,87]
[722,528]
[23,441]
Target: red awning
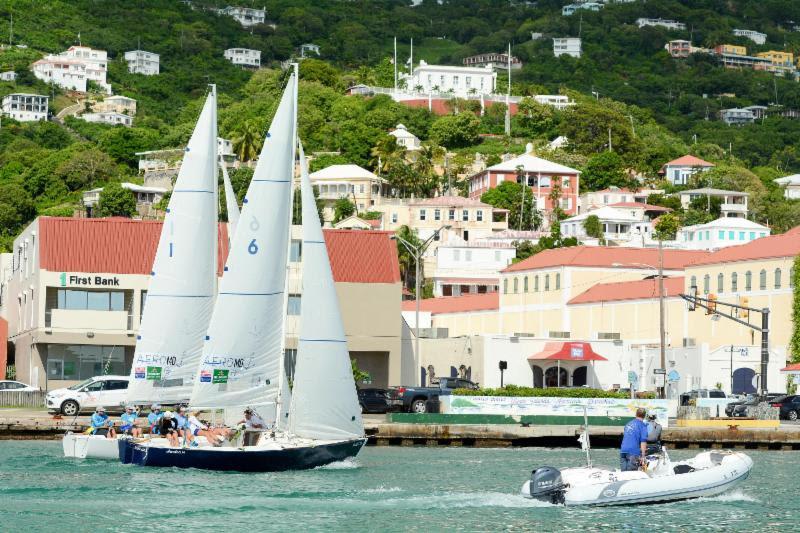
[567,351]
[795,367]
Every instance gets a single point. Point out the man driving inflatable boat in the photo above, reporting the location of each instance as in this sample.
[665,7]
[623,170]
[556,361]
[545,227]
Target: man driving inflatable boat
[634,443]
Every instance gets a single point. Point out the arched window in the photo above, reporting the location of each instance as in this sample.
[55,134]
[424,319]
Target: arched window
[734,282]
[538,377]
[536,283]
[516,285]
[525,284]
[720,282]
[555,377]
[706,284]
[748,280]
[547,282]
[558,280]
[693,282]
[762,280]
[579,376]
[505,286]
[777,278]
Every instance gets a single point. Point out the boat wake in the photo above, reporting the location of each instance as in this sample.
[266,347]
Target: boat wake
[348,464]
[733,496]
[465,500]
[381,490]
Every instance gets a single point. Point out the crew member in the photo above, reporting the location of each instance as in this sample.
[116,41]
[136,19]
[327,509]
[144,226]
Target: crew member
[169,428]
[102,424]
[634,443]
[154,419]
[183,425]
[252,420]
[653,434]
[129,422]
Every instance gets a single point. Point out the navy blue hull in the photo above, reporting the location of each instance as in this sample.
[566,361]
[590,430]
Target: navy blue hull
[250,460]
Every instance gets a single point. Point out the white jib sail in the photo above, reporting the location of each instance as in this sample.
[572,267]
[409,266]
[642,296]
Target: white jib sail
[324,399]
[180,296]
[242,355]
[230,201]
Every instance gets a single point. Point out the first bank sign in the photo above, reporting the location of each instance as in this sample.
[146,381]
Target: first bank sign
[69,279]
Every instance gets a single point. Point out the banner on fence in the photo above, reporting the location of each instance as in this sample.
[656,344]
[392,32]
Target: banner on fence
[519,406]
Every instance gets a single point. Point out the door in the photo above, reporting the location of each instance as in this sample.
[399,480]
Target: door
[114,392]
[743,381]
[579,377]
[92,394]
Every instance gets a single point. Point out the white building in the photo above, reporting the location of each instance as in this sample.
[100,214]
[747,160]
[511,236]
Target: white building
[146,197]
[142,62]
[678,171]
[559,101]
[405,138]
[224,147]
[791,186]
[755,36]
[736,116]
[570,9]
[245,16]
[621,223]
[106,117]
[244,57]
[663,23]
[460,81]
[570,46]
[309,48]
[469,267]
[116,104]
[74,68]
[25,107]
[734,203]
[614,195]
[8,76]
[725,231]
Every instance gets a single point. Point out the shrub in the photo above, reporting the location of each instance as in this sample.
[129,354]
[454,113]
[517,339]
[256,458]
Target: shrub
[515,390]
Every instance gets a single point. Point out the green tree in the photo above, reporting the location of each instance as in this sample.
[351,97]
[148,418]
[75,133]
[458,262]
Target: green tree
[116,202]
[667,226]
[247,141]
[405,258]
[342,209]
[593,227]
[359,376]
[794,341]
[511,195]
[455,131]
[604,170]
[535,118]
[86,168]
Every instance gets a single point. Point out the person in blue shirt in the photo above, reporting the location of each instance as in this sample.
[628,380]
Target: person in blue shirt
[184,430]
[154,419]
[634,443]
[129,422]
[102,424]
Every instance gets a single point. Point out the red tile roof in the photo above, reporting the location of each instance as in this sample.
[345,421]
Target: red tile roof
[607,256]
[567,351]
[689,161]
[641,205]
[456,304]
[362,256]
[783,245]
[628,290]
[126,246]
[795,367]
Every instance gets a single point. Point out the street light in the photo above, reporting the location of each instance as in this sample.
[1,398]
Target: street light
[661,328]
[417,252]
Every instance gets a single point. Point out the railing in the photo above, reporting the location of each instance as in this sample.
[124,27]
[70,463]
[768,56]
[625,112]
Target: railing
[22,398]
[441,94]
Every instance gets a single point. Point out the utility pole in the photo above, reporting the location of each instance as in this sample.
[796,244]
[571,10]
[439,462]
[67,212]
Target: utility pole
[395,64]
[610,149]
[661,328]
[508,95]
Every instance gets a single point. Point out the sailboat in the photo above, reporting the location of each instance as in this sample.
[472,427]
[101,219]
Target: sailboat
[182,288]
[319,421]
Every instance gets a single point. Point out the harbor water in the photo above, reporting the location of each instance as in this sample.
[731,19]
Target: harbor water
[385,489]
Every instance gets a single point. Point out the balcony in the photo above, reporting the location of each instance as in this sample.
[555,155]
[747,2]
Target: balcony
[734,208]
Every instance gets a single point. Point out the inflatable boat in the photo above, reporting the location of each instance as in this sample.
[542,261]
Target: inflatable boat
[707,474]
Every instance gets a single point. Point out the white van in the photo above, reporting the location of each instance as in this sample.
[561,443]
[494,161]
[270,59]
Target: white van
[108,391]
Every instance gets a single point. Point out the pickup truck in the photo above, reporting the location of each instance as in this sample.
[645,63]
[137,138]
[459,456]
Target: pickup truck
[415,399]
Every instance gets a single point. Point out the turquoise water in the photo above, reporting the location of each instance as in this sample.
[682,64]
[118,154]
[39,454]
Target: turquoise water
[385,489]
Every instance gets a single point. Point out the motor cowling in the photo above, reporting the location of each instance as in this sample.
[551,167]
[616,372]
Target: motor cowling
[546,485]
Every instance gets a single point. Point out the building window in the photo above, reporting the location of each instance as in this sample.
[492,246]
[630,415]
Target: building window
[505,286]
[762,280]
[748,280]
[525,284]
[536,283]
[451,215]
[558,280]
[361,188]
[468,256]
[721,235]
[741,235]
[437,214]
[422,214]
[479,215]
[296,251]
[85,300]
[706,284]
[79,361]
[497,255]
[516,285]
[777,278]
[394,218]
[731,235]
[693,282]
[547,282]
[465,215]
[734,282]
[293,305]
[456,255]
[720,282]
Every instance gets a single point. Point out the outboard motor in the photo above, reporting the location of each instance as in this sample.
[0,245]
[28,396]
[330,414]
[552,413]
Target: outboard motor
[546,485]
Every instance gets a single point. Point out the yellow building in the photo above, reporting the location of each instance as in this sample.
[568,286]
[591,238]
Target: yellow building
[360,186]
[731,49]
[777,58]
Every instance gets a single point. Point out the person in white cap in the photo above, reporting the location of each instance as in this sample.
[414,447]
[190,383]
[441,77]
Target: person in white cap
[154,419]
[169,428]
[102,424]
[129,425]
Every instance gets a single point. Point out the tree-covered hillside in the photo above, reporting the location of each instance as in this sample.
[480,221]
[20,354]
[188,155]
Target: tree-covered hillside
[656,107]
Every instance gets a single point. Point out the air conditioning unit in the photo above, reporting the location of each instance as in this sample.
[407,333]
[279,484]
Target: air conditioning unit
[524,334]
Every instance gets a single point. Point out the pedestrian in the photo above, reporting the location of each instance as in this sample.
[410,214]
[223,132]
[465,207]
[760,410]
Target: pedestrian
[634,443]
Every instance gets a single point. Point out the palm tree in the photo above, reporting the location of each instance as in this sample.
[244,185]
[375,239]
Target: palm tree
[386,153]
[419,88]
[247,142]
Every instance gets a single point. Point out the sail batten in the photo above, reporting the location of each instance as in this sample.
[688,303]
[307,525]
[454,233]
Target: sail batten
[182,285]
[242,358]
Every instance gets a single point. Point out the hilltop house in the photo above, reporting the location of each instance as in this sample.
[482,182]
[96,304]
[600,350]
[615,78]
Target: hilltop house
[457,80]
[734,203]
[74,68]
[570,46]
[725,231]
[245,16]
[25,107]
[142,62]
[679,170]
[108,117]
[406,139]
[755,36]
[790,185]
[244,57]
[352,182]
[494,60]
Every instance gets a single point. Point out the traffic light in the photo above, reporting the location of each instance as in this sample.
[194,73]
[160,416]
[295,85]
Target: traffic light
[693,298]
[744,302]
[712,304]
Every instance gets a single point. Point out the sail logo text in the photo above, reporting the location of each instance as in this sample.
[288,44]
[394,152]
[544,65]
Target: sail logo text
[237,363]
[156,359]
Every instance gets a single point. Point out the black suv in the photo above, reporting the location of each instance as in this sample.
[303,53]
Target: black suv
[789,406]
[378,400]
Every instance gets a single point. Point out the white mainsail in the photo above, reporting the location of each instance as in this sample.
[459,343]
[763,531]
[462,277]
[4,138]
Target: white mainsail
[242,356]
[180,296]
[230,201]
[324,400]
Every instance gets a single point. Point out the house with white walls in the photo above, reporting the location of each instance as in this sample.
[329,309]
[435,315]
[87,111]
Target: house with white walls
[74,68]
[244,57]
[25,107]
[720,233]
[143,62]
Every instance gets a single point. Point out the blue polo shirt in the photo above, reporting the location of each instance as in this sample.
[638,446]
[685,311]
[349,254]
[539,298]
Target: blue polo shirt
[634,434]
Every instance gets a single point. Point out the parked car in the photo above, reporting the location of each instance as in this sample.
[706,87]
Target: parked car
[701,393]
[789,406]
[16,386]
[739,407]
[108,391]
[379,400]
[415,399]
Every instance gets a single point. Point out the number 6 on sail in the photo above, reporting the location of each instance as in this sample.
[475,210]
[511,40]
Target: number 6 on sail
[252,248]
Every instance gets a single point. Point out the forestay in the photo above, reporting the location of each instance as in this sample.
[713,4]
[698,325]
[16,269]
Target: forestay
[242,354]
[180,296]
[324,400]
